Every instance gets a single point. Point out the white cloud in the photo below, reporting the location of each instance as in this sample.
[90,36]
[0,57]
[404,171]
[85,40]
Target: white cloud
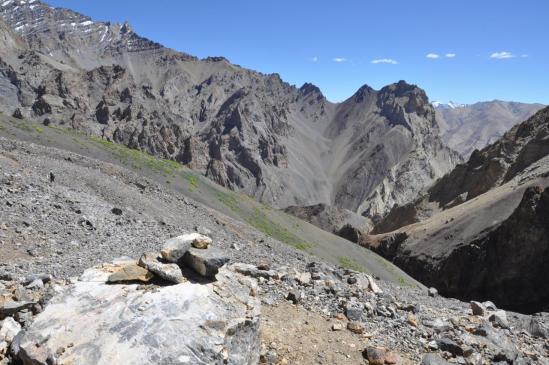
[433,56]
[339,59]
[523,55]
[502,55]
[450,55]
[314,59]
[385,60]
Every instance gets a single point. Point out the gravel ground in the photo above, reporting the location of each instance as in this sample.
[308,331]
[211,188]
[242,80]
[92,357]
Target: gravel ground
[93,211]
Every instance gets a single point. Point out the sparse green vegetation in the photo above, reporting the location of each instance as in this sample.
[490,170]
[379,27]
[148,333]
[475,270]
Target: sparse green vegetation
[26,126]
[349,263]
[139,159]
[401,280]
[23,126]
[261,222]
[228,200]
[192,180]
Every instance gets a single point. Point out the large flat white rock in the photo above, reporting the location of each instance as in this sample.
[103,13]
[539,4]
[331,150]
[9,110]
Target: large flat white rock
[92,322]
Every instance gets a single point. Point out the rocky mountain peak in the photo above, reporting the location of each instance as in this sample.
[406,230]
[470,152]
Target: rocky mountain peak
[68,36]
[308,88]
[412,95]
[363,93]
[400,100]
[126,28]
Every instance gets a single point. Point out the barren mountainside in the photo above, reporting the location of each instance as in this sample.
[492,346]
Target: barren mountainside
[468,127]
[245,130]
[489,215]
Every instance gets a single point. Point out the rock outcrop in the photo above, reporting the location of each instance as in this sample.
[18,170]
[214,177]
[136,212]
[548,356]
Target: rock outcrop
[245,130]
[328,217]
[122,313]
[93,322]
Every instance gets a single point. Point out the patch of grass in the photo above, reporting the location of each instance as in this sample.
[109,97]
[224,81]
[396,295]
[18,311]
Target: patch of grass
[349,263]
[139,159]
[192,180]
[261,222]
[23,126]
[228,200]
[401,279]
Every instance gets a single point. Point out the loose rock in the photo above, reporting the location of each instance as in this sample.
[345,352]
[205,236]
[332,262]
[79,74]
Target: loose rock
[175,248]
[130,272]
[355,327]
[205,262]
[169,272]
[375,355]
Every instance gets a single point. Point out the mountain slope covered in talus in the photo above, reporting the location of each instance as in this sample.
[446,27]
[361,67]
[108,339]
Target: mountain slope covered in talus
[245,130]
[474,126]
[490,215]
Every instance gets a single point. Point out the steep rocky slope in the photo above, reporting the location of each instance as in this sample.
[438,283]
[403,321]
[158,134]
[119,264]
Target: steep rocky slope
[489,215]
[237,213]
[474,126]
[244,130]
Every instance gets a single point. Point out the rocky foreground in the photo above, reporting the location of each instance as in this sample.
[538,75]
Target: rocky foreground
[185,305]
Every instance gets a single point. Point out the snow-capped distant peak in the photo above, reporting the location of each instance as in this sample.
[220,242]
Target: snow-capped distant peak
[450,105]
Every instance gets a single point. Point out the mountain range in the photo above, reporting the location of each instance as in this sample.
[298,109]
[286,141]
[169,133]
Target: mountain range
[466,127]
[245,130]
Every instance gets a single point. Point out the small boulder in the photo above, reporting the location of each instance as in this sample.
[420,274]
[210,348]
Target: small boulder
[175,248]
[264,265]
[477,308]
[391,358]
[446,344]
[130,272]
[374,355]
[438,325]
[169,272]
[337,327]
[499,319]
[355,327]
[201,244]
[9,308]
[205,262]
[294,296]
[373,286]
[303,278]
[353,311]
[10,329]
[116,211]
[433,292]
[412,320]
[489,305]
[433,359]
[17,114]
[36,284]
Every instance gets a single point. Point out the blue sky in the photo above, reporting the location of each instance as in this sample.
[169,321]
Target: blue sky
[500,48]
